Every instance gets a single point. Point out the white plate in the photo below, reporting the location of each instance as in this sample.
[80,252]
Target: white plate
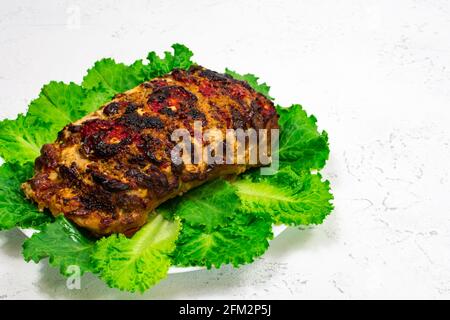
[277,230]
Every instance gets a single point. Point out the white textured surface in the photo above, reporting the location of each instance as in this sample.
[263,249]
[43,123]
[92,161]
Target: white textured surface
[375,73]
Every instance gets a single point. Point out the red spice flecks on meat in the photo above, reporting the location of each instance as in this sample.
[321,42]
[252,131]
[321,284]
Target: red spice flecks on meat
[264,109]
[238,92]
[158,83]
[207,89]
[93,126]
[114,132]
[172,98]
[41,182]
[104,138]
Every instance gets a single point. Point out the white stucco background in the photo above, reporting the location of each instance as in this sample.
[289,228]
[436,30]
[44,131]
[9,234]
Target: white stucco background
[375,73]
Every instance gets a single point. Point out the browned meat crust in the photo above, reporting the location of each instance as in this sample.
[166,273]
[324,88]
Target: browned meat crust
[109,170]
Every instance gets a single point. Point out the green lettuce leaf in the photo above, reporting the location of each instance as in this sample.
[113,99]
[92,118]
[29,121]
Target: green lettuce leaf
[215,230]
[21,139]
[181,59]
[252,80]
[300,141]
[96,98]
[114,77]
[240,241]
[63,244]
[118,77]
[59,104]
[209,205]
[291,197]
[138,263]
[15,210]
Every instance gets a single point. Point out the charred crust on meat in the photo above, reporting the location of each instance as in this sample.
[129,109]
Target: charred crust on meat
[131,108]
[244,84]
[40,182]
[60,135]
[137,122]
[171,97]
[98,200]
[160,184]
[106,150]
[152,179]
[179,75]
[155,83]
[238,119]
[177,168]
[139,159]
[184,76]
[48,158]
[146,85]
[129,203]
[256,118]
[69,174]
[111,109]
[196,114]
[153,147]
[167,111]
[194,68]
[255,106]
[109,184]
[103,138]
[74,128]
[140,179]
[99,148]
[214,76]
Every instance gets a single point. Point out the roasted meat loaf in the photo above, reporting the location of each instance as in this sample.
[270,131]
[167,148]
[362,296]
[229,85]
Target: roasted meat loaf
[109,170]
